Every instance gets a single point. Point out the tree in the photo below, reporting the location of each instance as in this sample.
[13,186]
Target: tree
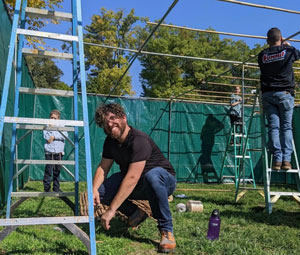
[45,73]
[106,66]
[167,76]
[35,23]
[50,4]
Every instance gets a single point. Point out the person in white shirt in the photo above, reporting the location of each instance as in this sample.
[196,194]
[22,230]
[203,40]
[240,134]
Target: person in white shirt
[54,150]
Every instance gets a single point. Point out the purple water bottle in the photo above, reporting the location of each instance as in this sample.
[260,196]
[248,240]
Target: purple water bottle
[214,225]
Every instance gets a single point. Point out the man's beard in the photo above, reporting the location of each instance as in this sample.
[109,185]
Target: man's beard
[115,135]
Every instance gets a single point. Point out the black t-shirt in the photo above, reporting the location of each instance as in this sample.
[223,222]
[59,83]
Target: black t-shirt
[276,66]
[137,147]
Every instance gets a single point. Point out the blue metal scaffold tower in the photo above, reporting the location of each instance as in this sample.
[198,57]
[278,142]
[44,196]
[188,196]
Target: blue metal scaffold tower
[16,51]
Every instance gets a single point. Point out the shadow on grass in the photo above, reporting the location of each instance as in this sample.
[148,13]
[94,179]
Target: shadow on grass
[58,247]
[258,214]
[57,250]
[119,230]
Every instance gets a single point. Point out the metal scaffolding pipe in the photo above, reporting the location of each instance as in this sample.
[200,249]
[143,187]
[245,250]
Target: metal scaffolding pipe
[214,32]
[174,56]
[225,84]
[212,96]
[234,77]
[218,32]
[250,65]
[133,58]
[218,92]
[261,6]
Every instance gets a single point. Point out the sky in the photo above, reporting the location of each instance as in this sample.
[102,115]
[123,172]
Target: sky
[202,14]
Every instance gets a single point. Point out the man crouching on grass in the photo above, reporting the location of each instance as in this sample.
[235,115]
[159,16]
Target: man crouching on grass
[145,175]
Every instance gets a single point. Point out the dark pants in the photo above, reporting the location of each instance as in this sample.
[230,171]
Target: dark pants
[236,119]
[155,186]
[48,173]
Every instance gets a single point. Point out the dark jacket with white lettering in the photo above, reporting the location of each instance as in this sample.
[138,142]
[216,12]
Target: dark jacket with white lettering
[276,66]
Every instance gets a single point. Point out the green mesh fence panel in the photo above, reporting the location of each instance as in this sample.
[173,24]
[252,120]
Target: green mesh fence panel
[192,135]
[24,147]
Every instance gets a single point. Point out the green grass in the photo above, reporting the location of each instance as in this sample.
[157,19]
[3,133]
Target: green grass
[245,227]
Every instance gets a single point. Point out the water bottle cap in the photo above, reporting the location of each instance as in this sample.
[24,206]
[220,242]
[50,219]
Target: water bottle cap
[215,212]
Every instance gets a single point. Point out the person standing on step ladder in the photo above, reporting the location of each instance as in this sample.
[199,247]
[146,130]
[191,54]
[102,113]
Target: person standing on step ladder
[277,86]
[235,112]
[54,150]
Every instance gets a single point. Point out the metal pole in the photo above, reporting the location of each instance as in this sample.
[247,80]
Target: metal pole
[88,163]
[143,45]
[75,105]
[248,64]
[215,32]
[243,123]
[173,55]
[8,69]
[16,104]
[169,129]
[261,6]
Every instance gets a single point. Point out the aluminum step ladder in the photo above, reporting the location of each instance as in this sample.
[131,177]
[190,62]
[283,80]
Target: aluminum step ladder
[16,50]
[233,157]
[271,196]
[241,187]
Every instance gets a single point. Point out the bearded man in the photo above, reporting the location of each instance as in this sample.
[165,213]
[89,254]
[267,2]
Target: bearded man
[145,174]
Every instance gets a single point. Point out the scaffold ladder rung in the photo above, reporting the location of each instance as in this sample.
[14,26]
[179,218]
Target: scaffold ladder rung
[47,35]
[292,171]
[280,193]
[241,156]
[240,135]
[47,14]
[43,220]
[39,127]
[42,194]
[44,162]
[47,92]
[21,120]
[47,54]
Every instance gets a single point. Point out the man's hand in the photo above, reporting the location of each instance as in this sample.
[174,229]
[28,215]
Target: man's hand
[286,43]
[106,218]
[51,139]
[96,197]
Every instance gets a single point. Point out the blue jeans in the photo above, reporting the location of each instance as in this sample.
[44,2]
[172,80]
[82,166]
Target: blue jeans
[278,107]
[155,186]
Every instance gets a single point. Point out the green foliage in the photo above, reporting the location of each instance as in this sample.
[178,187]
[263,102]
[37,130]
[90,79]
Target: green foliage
[297,79]
[38,3]
[36,23]
[45,73]
[167,76]
[106,65]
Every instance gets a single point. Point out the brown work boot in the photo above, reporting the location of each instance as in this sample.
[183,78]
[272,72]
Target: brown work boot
[286,165]
[167,242]
[276,166]
[136,218]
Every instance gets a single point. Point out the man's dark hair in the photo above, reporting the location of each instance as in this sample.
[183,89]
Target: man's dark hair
[274,35]
[104,109]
